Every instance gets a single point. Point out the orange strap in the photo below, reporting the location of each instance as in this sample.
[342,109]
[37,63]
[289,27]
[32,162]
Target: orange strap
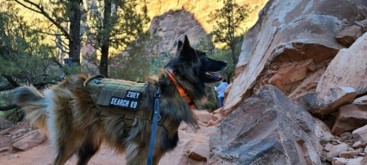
[181,91]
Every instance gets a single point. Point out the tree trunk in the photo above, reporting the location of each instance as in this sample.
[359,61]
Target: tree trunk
[75,39]
[234,57]
[105,38]
[103,67]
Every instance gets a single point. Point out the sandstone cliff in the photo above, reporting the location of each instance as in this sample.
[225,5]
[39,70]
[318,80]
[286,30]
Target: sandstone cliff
[292,42]
[172,26]
[298,95]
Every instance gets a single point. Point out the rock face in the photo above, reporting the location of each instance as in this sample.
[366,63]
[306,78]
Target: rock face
[268,128]
[172,26]
[349,118]
[323,104]
[347,65]
[290,31]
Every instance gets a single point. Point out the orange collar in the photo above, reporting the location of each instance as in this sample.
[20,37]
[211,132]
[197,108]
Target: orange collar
[181,91]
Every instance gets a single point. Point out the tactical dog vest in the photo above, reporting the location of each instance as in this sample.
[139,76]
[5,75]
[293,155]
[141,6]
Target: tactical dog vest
[115,96]
[121,97]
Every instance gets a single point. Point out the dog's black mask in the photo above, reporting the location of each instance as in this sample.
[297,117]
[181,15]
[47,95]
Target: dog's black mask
[190,62]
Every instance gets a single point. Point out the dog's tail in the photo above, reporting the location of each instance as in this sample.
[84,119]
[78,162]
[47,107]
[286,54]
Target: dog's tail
[34,104]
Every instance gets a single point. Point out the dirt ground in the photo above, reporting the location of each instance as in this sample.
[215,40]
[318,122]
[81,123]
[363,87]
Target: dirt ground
[43,154]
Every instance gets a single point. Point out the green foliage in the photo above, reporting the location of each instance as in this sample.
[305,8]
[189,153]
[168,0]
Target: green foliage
[123,26]
[13,113]
[118,27]
[212,101]
[206,45]
[227,25]
[22,55]
[137,62]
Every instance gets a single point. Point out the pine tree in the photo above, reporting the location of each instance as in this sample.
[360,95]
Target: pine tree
[24,58]
[227,28]
[119,25]
[55,12]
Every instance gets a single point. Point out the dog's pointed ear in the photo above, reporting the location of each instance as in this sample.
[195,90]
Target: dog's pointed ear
[186,43]
[186,50]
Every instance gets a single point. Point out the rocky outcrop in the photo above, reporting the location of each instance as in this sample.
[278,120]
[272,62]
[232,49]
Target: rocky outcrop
[323,104]
[349,118]
[348,35]
[172,26]
[300,48]
[348,68]
[19,137]
[268,128]
[292,40]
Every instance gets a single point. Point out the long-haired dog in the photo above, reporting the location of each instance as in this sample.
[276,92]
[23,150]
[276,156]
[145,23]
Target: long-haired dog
[75,124]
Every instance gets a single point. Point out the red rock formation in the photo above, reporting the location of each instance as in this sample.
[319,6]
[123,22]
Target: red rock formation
[289,32]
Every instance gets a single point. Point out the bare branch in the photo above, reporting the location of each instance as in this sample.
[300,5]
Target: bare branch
[39,9]
[11,81]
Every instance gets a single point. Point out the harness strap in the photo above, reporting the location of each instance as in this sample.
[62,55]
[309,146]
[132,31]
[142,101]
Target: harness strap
[154,127]
[181,91]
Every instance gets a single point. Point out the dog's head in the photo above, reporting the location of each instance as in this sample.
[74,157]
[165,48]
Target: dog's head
[193,68]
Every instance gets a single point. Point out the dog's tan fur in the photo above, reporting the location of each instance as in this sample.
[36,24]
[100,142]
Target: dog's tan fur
[75,124]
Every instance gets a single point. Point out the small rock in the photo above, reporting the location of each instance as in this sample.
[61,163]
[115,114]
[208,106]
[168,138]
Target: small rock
[349,118]
[198,148]
[335,150]
[14,156]
[29,140]
[344,161]
[5,149]
[358,144]
[323,103]
[361,100]
[328,147]
[4,141]
[348,154]
[360,134]
[203,115]
[347,36]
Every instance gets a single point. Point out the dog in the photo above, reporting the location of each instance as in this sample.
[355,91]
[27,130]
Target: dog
[75,124]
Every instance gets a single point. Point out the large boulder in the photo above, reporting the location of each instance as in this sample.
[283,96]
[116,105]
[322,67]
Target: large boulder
[171,26]
[349,118]
[290,31]
[268,128]
[350,34]
[360,134]
[323,104]
[348,68]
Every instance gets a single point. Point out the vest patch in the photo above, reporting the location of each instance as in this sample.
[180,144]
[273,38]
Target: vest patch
[130,101]
[115,95]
